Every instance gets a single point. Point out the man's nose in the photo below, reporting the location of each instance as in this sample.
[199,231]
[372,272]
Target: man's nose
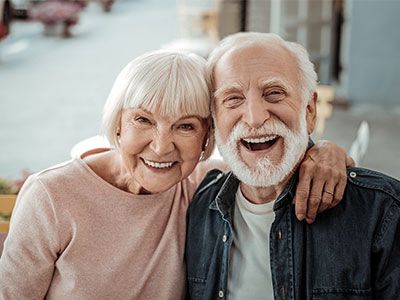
[256,112]
[163,143]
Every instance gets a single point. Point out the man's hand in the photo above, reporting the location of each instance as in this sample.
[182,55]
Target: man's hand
[322,180]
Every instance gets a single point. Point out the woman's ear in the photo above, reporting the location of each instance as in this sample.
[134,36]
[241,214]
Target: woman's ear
[206,139]
[208,142]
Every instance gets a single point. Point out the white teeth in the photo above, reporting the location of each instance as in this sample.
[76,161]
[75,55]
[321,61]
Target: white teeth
[158,165]
[260,140]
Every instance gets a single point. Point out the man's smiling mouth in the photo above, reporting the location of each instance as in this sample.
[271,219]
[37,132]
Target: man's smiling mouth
[259,143]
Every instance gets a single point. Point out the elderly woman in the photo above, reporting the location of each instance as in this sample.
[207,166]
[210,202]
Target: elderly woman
[112,225]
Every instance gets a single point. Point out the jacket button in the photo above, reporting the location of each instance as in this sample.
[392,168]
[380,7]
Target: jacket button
[224,238]
[221,294]
[353,174]
[280,236]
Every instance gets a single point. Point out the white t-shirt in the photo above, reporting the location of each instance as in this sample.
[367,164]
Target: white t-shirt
[250,268]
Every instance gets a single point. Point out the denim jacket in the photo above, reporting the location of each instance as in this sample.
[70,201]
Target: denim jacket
[350,252]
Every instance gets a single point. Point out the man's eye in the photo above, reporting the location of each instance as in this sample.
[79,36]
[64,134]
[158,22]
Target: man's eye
[232,101]
[274,96]
[186,127]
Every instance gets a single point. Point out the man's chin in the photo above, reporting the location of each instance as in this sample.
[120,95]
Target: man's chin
[262,173]
[253,170]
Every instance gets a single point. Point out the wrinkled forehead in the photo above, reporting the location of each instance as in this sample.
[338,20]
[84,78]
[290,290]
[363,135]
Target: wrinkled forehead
[256,57]
[273,48]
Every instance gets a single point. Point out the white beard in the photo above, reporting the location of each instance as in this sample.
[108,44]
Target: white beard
[266,173]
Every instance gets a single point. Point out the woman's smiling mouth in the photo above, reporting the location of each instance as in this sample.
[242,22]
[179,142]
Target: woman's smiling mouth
[158,165]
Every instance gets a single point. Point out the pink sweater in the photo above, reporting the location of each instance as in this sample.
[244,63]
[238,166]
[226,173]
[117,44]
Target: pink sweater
[74,236]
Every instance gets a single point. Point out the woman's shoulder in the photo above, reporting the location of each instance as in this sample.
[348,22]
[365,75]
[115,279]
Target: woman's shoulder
[39,188]
[70,168]
[66,176]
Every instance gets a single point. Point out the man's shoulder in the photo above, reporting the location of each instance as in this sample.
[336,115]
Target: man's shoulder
[209,187]
[374,182]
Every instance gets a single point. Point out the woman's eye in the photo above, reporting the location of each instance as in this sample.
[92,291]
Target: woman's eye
[186,127]
[143,120]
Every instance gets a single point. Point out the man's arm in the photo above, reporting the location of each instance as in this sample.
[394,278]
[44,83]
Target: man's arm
[322,179]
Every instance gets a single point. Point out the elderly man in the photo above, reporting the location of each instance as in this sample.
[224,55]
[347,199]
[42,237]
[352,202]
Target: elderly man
[243,240]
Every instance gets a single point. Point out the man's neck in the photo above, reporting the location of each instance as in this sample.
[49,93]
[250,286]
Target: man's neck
[261,195]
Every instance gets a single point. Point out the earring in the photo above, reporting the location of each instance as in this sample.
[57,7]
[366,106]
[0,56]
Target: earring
[205,144]
[201,155]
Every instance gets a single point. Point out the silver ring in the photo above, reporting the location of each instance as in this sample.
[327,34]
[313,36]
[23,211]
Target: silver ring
[330,193]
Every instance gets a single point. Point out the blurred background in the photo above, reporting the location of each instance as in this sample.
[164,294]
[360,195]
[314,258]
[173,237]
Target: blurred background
[58,61]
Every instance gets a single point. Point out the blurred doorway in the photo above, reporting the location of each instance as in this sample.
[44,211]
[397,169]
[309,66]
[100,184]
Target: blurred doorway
[316,24]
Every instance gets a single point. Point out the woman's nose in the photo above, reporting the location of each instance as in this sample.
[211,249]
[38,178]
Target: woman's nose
[163,143]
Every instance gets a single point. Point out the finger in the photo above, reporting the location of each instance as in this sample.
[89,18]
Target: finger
[350,161]
[339,190]
[301,197]
[327,196]
[314,199]
[310,221]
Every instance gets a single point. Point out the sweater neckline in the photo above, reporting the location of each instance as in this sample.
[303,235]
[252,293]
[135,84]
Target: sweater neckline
[114,189]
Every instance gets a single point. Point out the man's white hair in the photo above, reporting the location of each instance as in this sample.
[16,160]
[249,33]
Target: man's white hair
[308,77]
[171,82]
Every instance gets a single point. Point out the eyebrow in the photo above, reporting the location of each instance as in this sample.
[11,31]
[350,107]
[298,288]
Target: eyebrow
[189,117]
[132,111]
[227,89]
[177,119]
[274,82]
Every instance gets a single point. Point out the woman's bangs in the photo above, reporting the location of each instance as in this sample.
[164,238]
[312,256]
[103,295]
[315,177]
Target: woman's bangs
[170,96]
[185,97]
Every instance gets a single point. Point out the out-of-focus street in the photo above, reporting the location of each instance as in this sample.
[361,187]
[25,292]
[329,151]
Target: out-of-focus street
[384,141]
[52,90]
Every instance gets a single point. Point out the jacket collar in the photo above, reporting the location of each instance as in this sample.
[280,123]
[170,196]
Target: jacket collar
[288,192]
[226,196]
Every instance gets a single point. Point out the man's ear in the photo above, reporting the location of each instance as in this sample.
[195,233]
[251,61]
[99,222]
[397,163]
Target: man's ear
[311,113]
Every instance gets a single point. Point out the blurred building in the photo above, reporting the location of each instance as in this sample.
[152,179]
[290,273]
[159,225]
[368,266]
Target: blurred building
[355,44]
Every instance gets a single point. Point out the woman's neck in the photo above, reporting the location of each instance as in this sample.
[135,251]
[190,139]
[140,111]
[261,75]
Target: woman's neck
[108,165]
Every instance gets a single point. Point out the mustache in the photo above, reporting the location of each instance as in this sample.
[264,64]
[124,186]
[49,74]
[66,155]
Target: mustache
[271,127]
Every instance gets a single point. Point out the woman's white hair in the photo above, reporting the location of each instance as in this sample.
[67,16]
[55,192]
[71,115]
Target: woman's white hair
[308,77]
[171,82]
